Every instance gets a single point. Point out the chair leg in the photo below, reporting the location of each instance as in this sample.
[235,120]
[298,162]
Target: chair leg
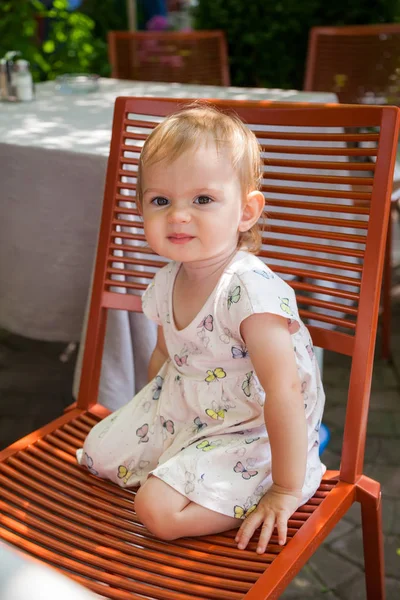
[369,495]
[386,294]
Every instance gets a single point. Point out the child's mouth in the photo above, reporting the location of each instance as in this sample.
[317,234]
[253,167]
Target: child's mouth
[180,238]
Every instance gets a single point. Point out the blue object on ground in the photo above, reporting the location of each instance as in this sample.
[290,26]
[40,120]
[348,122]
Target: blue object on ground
[324,437]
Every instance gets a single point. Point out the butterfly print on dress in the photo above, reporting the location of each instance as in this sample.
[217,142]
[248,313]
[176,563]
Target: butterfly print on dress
[180,360]
[246,472]
[246,384]
[189,482]
[167,425]
[142,432]
[225,337]
[158,383]
[89,464]
[239,352]
[234,296]
[125,473]
[285,306]
[214,375]
[216,412]
[206,445]
[265,274]
[207,323]
[198,425]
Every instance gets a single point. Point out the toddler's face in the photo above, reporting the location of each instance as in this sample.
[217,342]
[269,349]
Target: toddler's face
[193,206]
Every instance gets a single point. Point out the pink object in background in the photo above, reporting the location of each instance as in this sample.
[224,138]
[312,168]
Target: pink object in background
[157,23]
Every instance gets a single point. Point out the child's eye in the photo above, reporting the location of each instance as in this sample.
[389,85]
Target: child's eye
[160,201]
[203,200]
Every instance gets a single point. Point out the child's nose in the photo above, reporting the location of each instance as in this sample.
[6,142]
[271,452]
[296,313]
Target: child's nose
[179,215]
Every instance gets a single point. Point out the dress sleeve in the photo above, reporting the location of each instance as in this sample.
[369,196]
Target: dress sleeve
[254,292]
[149,303]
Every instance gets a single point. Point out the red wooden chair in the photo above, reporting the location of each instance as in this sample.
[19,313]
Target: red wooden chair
[317,230]
[355,61]
[360,63]
[198,57]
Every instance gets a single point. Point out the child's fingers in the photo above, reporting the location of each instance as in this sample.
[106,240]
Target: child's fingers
[266,532]
[248,528]
[281,525]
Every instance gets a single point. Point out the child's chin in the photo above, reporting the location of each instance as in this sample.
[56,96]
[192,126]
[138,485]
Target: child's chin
[180,249]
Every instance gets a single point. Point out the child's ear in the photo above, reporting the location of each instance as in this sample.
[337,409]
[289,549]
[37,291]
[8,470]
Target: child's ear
[252,210]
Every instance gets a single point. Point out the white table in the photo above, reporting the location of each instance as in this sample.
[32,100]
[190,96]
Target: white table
[24,578]
[53,155]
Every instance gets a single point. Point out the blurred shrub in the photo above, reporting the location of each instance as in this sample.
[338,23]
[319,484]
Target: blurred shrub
[268,39]
[107,15]
[71,45]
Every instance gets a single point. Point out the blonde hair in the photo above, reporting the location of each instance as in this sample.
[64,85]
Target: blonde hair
[181,131]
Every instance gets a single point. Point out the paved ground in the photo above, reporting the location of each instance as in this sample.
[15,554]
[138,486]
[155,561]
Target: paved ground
[35,386]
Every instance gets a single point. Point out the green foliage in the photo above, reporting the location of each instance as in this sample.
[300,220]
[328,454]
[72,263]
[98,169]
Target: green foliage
[108,15]
[71,45]
[18,28]
[268,39]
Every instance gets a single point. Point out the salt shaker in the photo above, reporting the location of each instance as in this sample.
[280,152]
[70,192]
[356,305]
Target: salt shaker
[3,80]
[23,81]
[11,71]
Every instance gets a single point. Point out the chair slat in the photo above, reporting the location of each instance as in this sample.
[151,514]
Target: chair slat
[308,260]
[317,206]
[349,238]
[314,150]
[314,316]
[309,247]
[334,180]
[321,193]
[313,289]
[315,164]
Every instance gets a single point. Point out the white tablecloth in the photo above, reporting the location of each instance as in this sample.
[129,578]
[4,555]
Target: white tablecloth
[53,155]
[22,578]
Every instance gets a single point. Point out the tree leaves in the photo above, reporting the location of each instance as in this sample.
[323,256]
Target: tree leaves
[268,39]
[71,45]
[48,46]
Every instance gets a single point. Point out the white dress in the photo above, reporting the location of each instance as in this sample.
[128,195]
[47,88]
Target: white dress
[199,424]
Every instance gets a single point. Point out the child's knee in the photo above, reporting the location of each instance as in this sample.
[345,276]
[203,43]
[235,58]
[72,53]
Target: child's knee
[154,516]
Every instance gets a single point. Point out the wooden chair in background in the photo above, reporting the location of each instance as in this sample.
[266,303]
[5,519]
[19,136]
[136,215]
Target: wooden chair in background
[58,512]
[198,57]
[358,63]
[361,64]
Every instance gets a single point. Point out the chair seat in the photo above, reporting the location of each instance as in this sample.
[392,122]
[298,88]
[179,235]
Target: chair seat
[87,527]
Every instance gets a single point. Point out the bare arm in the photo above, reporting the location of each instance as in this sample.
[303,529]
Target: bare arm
[274,362]
[159,356]
[270,347]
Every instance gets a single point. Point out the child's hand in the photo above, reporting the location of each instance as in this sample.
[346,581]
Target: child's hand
[275,508]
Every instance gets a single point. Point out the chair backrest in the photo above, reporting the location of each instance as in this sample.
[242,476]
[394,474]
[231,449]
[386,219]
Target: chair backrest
[360,63]
[328,239]
[198,57]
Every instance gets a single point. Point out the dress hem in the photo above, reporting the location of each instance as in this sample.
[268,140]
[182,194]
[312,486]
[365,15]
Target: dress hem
[201,502]
[205,501]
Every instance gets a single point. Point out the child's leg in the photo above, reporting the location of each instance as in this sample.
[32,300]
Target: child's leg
[169,515]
